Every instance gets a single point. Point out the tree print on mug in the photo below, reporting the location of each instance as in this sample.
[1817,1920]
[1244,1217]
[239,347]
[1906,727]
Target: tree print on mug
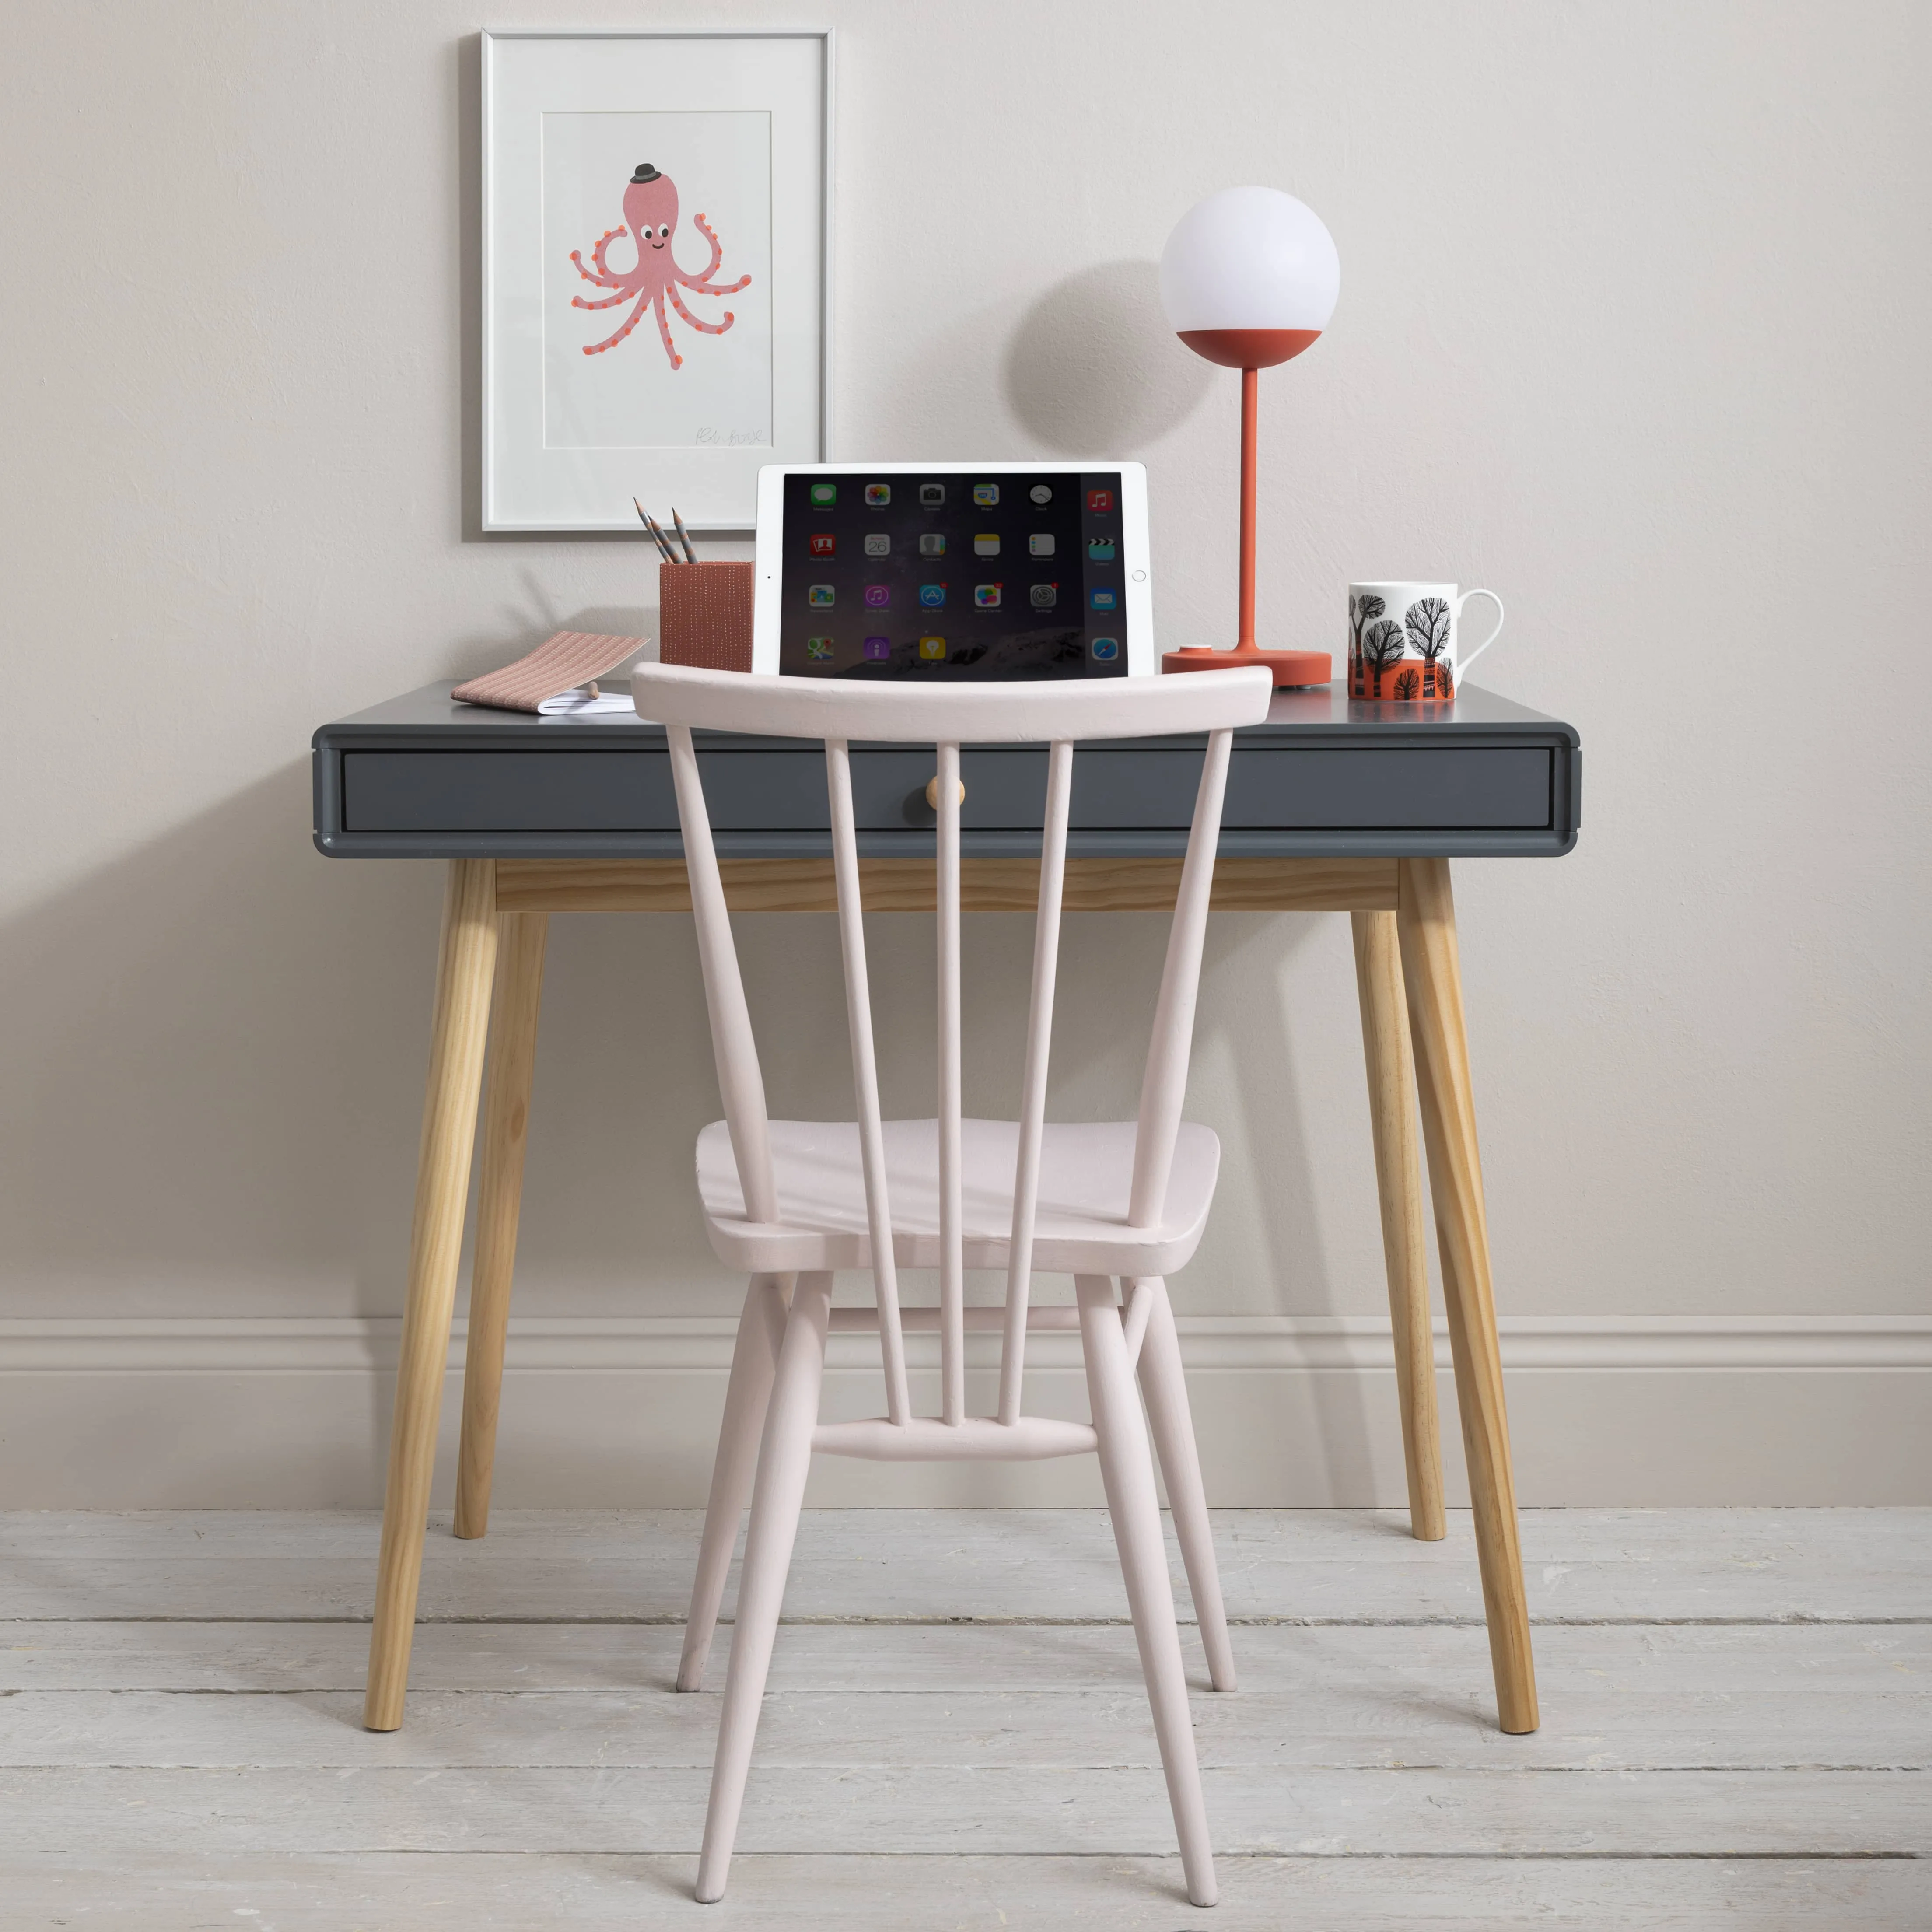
[1381,650]
[1362,609]
[1427,622]
[1408,682]
[650,218]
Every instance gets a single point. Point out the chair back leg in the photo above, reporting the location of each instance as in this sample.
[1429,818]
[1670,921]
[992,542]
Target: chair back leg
[1165,1388]
[785,1460]
[1127,1467]
[753,1360]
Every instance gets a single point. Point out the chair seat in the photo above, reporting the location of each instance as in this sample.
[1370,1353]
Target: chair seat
[1086,1176]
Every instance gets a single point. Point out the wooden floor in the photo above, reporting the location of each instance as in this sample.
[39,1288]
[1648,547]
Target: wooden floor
[1737,1728]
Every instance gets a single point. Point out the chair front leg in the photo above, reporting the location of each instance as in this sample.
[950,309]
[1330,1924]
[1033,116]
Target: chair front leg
[784,1460]
[1164,1388]
[754,1361]
[1127,1467]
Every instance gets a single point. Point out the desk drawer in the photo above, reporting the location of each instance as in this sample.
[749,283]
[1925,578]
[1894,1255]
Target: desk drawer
[1500,787]
[1349,787]
[616,790]
[507,791]
[1120,789]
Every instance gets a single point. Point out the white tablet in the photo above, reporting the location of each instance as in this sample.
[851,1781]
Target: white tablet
[945,570]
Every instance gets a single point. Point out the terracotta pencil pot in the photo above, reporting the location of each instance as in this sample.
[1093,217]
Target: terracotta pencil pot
[704,615]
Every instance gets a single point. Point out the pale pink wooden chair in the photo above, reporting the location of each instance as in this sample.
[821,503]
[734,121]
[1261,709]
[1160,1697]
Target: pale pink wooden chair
[791,1201]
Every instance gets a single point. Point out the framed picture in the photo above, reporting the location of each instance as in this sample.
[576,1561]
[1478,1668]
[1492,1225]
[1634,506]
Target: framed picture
[656,233]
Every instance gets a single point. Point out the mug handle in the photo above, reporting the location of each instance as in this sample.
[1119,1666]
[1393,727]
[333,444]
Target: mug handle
[1464,659]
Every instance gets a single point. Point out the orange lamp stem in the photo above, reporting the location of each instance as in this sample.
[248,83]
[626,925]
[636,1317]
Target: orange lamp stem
[1251,392]
[1250,350]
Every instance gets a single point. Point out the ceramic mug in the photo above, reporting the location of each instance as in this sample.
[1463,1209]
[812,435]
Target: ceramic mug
[1403,641]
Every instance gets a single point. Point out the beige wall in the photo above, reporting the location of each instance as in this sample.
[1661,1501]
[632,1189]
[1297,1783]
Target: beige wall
[1632,327]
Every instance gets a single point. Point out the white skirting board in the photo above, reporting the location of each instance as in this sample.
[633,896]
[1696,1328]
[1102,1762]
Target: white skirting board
[1291,1411]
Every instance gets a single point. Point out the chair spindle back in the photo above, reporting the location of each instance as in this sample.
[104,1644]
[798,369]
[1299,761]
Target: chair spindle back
[1062,715]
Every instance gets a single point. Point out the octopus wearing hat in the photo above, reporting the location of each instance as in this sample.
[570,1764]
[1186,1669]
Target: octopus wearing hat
[650,216]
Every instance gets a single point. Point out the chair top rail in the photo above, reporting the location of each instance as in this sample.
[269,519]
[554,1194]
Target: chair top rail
[1075,709]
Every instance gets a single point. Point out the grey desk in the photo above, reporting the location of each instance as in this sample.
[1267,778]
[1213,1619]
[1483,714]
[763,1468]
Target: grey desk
[1332,806]
[423,777]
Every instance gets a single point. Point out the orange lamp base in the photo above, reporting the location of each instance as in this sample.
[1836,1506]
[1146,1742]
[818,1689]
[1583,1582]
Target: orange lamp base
[1290,667]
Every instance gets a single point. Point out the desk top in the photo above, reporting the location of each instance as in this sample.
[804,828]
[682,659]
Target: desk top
[421,776]
[1320,713]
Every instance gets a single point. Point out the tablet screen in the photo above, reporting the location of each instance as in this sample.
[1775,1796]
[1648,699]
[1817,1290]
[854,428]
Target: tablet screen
[959,574]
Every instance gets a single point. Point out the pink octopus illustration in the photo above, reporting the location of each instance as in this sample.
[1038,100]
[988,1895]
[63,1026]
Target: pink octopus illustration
[650,211]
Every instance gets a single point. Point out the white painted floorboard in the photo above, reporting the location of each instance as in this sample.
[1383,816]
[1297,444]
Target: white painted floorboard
[1737,1728]
[1641,1566]
[1749,1699]
[388,1892]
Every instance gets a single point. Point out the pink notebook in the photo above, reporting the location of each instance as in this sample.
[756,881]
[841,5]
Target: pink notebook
[552,678]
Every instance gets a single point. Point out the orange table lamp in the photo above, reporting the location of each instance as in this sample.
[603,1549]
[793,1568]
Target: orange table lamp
[1248,278]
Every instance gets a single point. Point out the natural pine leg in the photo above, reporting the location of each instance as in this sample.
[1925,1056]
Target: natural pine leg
[754,1359]
[784,1460]
[1164,1388]
[465,965]
[506,1114]
[1426,917]
[1126,1469]
[1385,1047]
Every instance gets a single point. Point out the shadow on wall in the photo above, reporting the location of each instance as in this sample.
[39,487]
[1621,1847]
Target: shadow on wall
[217,1086]
[214,1108]
[215,1103]
[1243,1047]
[466,72]
[1093,369]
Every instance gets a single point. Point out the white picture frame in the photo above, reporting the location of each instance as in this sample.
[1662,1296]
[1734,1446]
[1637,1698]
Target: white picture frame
[650,393]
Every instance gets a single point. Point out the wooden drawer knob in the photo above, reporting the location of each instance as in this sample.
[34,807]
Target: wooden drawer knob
[932,791]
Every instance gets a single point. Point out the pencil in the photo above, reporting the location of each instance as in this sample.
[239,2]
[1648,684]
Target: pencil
[683,536]
[664,543]
[657,535]
[646,522]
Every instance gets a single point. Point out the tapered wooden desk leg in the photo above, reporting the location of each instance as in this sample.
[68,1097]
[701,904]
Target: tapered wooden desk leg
[1391,1067]
[500,1195]
[1425,919]
[465,966]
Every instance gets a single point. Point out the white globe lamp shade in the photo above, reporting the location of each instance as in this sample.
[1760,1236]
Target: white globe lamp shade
[1249,277]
